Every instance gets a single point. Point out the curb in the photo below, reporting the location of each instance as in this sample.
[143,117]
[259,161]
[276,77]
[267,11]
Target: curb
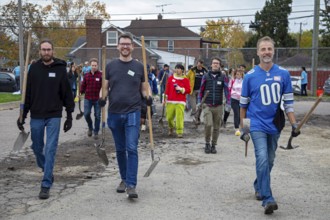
[9,105]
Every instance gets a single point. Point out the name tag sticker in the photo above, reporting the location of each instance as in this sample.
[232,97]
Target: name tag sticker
[219,82]
[131,73]
[97,79]
[277,78]
[51,74]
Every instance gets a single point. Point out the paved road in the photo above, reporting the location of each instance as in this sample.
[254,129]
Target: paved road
[188,184]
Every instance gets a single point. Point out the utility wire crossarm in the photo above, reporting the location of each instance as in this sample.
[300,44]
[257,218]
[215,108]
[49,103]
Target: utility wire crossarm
[163,5]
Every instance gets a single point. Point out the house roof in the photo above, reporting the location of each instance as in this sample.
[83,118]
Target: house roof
[296,60]
[168,28]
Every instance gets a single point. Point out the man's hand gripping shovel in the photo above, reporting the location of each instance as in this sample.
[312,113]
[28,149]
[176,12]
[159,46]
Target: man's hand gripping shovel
[304,120]
[23,136]
[100,149]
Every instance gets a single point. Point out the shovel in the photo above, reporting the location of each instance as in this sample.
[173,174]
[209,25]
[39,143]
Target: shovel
[81,113]
[304,120]
[22,136]
[160,121]
[100,149]
[197,113]
[153,161]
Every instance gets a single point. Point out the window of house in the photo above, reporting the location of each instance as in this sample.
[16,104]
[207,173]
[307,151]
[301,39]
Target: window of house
[112,38]
[170,45]
[153,44]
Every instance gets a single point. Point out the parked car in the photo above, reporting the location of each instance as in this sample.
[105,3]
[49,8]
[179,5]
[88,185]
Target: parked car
[326,86]
[7,82]
[296,84]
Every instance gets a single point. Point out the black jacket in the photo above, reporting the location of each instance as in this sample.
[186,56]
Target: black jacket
[48,90]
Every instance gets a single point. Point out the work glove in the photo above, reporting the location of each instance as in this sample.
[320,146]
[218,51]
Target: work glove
[102,102]
[293,132]
[68,122]
[148,100]
[20,124]
[245,137]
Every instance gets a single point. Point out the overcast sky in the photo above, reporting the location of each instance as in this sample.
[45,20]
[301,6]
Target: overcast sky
[241,10]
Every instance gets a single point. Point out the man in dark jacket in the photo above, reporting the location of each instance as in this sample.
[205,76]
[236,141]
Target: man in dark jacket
[216,83]
[47,91]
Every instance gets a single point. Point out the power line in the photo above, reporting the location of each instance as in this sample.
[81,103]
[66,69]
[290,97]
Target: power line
[179,18]
[154,27]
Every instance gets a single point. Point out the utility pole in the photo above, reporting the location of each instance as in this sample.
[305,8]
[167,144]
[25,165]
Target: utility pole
[315,46]
[300,32]
[21,44]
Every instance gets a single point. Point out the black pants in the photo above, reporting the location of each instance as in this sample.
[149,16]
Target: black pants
[304,89]
[236,109]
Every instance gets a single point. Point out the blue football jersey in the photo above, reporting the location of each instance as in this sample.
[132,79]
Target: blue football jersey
[261,93]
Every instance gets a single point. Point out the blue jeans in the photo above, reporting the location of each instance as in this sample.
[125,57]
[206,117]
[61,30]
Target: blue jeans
[45,154]
[125,131]
[88,104]
[265,146]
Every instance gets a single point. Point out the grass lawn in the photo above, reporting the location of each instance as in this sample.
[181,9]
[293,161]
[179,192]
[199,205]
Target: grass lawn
[9,97]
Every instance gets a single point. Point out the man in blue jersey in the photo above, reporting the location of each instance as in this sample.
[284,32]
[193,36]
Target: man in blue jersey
[263,88]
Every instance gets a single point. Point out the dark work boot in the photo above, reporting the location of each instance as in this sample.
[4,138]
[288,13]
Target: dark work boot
[207,148]
[213,150]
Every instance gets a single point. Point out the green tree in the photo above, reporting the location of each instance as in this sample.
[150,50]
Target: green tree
[272,21]
[8,49]
[230,34]
[68,21]
[325,28]
[33,15]
[306,38]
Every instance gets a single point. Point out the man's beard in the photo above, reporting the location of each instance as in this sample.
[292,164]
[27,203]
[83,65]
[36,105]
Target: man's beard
[46,58]
[125,53]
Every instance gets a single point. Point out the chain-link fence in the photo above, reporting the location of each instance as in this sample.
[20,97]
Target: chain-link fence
[290,58]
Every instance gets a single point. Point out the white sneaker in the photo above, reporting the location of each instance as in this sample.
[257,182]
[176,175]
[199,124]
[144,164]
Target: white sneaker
[237,132]
[143,127]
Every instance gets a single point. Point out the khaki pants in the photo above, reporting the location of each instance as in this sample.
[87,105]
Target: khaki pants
[212,119]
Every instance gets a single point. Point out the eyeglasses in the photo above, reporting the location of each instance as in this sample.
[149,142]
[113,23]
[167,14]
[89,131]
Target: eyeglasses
[46,49]
[125,44]
[216,63]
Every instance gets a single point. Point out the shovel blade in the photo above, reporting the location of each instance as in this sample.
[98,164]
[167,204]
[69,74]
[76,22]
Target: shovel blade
[102,154]
[79,115]
[20,141]
[289,146]
[152,167]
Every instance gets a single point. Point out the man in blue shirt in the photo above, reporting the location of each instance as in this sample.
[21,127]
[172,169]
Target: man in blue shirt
[304,81]
[264,87]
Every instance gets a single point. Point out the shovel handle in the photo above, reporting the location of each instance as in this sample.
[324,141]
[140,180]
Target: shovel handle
[309,113]
[144,57]
[25,77]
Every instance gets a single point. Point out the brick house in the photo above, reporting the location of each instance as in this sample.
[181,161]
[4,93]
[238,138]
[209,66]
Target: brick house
[160,34]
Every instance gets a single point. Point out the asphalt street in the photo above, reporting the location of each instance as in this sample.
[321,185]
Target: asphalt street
[189,184]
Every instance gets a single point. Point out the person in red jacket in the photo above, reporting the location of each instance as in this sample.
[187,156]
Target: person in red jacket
[178,86]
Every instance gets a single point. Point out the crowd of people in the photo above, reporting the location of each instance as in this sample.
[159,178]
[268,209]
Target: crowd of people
[255,95]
